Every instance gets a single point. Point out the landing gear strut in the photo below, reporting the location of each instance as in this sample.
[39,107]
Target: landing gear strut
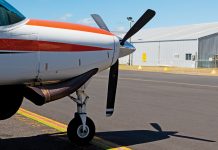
[81,129]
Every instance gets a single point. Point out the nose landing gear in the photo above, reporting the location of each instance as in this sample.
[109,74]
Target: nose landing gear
[81,129]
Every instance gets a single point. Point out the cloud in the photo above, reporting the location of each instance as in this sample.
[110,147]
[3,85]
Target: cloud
[86,21]
[66,16]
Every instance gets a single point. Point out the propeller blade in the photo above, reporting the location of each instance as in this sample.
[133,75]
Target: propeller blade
[112,88]
[145,18]
[100,22]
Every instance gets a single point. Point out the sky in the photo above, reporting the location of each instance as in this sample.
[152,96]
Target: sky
[115,12]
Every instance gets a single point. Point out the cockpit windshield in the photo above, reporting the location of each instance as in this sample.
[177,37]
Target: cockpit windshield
[8,14]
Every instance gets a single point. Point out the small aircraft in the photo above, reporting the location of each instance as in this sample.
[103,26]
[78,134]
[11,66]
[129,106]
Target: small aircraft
[45,61]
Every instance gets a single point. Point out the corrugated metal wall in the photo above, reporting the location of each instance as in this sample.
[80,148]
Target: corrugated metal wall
[169,53]
[152,54]
[208,48]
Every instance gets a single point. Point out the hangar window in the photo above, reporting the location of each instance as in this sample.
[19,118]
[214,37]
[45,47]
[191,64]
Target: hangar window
[188,56]
[9,15]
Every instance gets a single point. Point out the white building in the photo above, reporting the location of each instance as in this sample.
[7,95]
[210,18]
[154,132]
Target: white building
[185,46]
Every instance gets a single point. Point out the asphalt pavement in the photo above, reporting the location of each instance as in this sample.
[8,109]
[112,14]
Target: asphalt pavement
[21,133]
[154,111]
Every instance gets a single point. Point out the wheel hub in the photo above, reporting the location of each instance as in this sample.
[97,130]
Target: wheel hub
[83,133]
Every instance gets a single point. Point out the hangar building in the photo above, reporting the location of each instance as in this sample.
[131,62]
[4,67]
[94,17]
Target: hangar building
[184,46]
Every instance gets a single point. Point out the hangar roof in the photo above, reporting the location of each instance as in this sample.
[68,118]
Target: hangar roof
[187,32]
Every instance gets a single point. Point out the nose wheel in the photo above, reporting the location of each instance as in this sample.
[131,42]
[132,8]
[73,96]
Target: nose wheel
[77,134]
[81,129]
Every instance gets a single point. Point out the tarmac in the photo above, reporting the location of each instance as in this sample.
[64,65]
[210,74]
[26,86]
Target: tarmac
[22,133]
[155,111]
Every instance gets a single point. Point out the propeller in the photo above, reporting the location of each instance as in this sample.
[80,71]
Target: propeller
[145,18]
[125,49]
[112,88]
[100,22]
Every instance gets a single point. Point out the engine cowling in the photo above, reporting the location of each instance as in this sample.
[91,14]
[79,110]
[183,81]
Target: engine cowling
[10,100]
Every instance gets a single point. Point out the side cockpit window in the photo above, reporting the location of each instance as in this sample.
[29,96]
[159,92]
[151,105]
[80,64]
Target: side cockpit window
[4,19]
[14,18]
[8,14]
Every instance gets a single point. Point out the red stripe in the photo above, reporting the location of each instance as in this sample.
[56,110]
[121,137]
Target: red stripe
[31,45]
[70,26]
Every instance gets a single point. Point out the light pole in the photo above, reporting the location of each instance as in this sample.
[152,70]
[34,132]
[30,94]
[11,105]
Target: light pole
[130,19]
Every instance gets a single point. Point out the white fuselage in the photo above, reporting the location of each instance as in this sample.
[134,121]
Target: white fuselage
[35,50]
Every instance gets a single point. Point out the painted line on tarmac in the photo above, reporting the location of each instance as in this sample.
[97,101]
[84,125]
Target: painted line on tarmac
[46,121]
[63,128]
[156,81]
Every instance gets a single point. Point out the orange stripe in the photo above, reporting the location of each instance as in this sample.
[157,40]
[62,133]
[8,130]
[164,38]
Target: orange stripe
[31,45]
[70,26]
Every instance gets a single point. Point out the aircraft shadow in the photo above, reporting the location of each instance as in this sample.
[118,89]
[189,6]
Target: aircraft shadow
[129,138]
[57,141]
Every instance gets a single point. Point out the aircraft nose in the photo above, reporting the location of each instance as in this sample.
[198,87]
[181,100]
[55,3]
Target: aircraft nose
[126,49]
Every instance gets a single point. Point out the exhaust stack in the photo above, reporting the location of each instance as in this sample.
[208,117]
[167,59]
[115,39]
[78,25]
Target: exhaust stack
[41,95]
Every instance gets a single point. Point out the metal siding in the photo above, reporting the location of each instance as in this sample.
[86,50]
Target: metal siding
[169,51]
[124,60]
[208,47]
[151,50]
[163,53]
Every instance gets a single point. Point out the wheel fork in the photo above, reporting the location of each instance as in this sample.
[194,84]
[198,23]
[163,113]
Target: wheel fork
[81,102]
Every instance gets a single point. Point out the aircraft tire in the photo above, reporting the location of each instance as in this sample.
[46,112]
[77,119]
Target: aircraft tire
[75,131]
